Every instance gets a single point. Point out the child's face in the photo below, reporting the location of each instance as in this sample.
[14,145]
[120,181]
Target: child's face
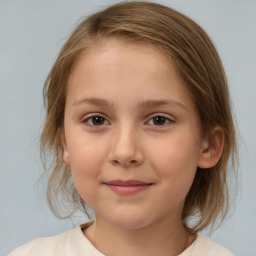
[129,117]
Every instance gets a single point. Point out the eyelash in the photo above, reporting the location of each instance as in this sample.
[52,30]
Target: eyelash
[167,120]
[91,116]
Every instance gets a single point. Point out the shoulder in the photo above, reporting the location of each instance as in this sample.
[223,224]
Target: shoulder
[69,243]
[42,246]
[206,247]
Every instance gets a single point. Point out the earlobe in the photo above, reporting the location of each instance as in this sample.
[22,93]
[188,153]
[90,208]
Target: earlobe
[212,148]
[66,157]
[65,153]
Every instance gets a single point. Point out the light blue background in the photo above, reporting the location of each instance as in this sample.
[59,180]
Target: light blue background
[32,32]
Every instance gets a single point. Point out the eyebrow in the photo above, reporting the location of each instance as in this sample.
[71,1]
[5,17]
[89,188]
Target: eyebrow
[144,103]
[156,103]
[93,101]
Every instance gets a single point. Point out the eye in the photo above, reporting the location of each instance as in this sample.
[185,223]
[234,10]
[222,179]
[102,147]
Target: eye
[95,120]
[160,120]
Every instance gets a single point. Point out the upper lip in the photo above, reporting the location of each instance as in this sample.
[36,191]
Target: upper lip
[127,183]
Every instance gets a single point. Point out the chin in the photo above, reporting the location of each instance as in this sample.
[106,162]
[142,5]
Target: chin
[130,222]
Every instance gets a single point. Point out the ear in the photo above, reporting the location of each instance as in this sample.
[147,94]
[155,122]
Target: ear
[65,153]
[212,147]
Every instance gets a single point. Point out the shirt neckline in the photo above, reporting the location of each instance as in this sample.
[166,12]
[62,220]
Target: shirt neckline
[187,252]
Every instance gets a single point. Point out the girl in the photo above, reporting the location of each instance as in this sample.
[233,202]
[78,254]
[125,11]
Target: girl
[140,125]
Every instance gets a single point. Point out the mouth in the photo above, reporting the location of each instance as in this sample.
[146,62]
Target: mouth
[129,187]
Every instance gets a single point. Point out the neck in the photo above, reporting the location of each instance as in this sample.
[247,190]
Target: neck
[166,236]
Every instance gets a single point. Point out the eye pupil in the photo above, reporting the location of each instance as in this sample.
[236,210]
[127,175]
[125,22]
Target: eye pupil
[98,120]
[159,120]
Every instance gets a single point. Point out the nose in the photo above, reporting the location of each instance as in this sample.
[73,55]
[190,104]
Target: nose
[126,148]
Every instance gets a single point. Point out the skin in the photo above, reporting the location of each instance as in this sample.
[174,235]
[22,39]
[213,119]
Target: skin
[118,83]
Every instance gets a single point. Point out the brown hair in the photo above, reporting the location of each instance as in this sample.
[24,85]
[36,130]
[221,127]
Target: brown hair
[199,65]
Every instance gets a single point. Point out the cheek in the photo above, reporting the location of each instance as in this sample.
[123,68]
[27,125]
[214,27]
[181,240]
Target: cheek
[86,160]
[176,163]
[85,154]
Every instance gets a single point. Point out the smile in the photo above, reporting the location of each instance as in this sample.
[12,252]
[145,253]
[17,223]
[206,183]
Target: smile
[127,188]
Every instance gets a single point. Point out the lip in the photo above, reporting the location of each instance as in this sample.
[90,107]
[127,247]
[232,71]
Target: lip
[129,187]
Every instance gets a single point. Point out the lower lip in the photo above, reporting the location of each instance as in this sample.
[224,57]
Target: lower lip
[128,190]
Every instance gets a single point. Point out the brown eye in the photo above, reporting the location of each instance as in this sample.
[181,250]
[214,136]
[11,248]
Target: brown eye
[95,120]
[98,120]
[159,120]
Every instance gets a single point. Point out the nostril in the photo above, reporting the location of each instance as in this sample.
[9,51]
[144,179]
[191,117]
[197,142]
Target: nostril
[115,162]
[125,163]
[125,155]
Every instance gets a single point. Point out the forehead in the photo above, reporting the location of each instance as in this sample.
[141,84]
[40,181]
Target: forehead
[114,63]
[105,54]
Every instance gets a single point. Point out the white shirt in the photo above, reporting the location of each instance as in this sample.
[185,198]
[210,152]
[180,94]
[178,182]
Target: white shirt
[74,243]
